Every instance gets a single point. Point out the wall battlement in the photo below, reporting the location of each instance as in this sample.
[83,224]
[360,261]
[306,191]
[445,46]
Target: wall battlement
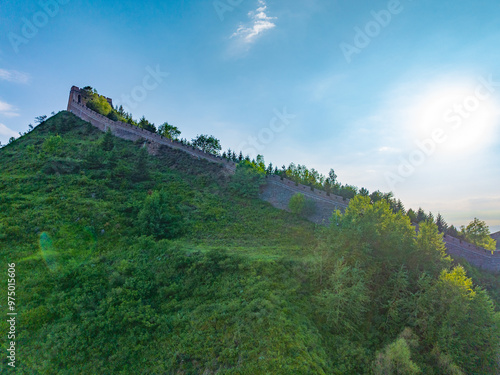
[277,191]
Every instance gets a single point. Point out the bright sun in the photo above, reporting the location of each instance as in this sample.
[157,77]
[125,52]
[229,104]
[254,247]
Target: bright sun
[466,111]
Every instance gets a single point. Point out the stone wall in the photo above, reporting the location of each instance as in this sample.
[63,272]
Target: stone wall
[475,255]
[134,133]
[496,237]
[276,191]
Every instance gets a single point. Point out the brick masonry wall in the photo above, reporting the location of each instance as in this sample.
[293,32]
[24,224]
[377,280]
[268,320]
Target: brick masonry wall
[276,191]
[475,255]
[133,133]
[496,237]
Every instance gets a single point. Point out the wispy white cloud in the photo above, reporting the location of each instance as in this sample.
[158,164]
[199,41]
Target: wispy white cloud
[6,132]
[8,110]
[259,23]
[14,76]
[387,149]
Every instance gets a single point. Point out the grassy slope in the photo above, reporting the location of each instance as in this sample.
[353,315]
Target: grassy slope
[93,294]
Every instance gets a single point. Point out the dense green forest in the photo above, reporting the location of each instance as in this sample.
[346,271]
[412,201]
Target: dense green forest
[133,264]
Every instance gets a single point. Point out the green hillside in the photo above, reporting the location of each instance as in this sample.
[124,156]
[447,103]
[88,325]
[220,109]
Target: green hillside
[128,263]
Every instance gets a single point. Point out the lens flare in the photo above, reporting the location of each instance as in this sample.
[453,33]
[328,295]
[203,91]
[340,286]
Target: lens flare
[49,254]
[71,250]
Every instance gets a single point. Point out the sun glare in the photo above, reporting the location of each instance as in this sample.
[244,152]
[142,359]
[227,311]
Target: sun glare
[466,113]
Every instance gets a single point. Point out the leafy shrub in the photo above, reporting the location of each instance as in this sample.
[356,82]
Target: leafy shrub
[113,116]
[141,170]
[169,131]
[247,179]
[99,104]
[395,359]
[461,321]
[343,303]
[61,167]
[159,216]
[207,143]
[478,233]
[94,158]
[107,142]
[53,145]
[302,206]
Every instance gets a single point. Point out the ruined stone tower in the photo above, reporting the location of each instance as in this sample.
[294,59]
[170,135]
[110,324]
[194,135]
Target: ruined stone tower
[76,95]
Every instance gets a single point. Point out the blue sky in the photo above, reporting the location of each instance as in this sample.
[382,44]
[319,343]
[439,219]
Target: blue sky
[394,95]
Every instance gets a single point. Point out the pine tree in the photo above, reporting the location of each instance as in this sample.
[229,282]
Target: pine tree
[269,169]
[441,223]
[332,176]
[400,207]
[121,112]
[107,141]
[376,196]
[327,186]
[430,217]
[364,192]
[141,170]
[421,216]
[393,205]
[452,231]
[412,215]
